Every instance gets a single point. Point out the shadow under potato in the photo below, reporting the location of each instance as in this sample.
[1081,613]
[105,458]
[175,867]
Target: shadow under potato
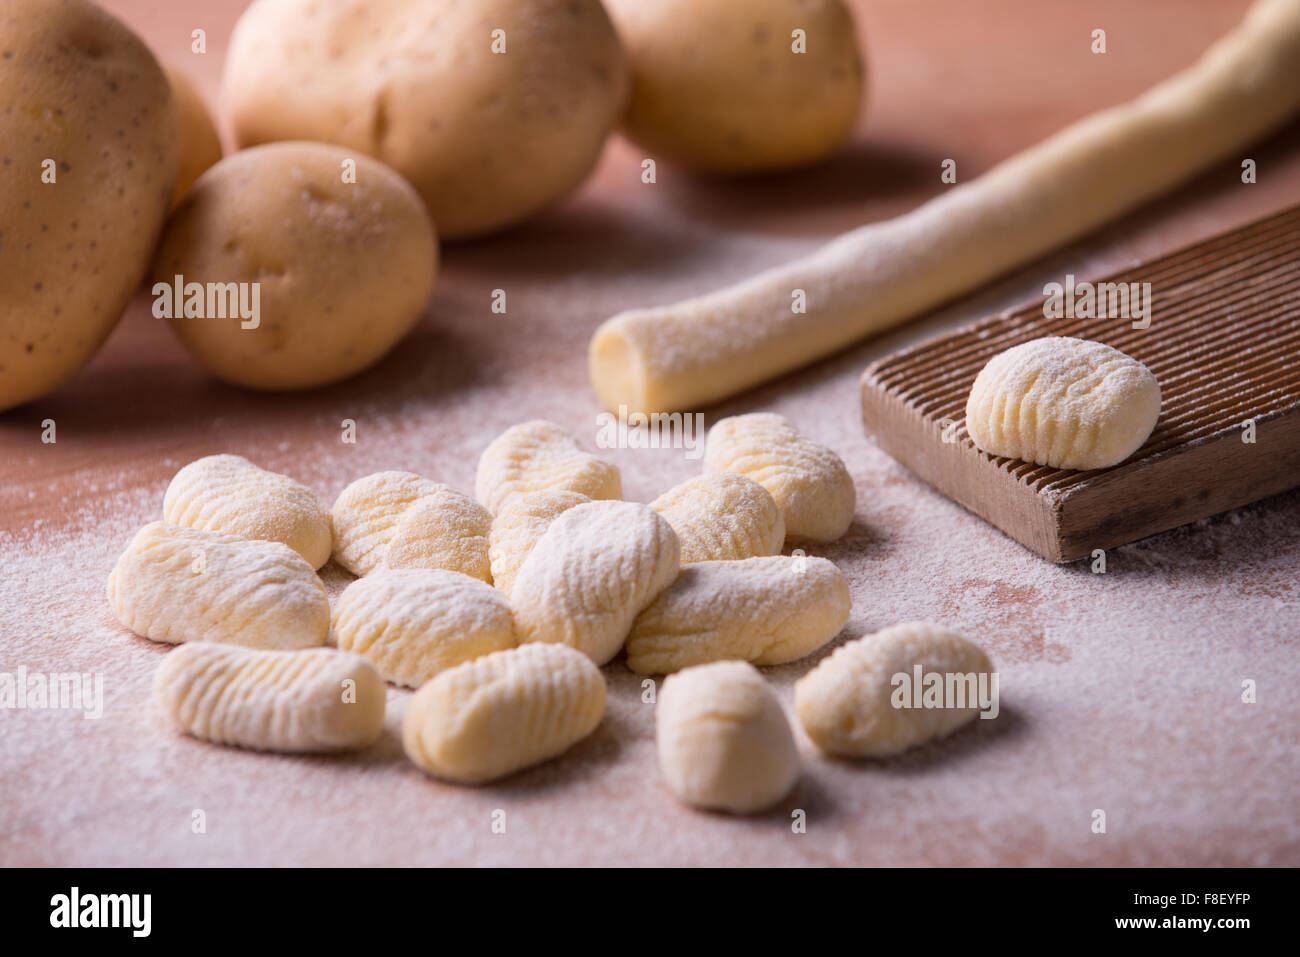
[132,400]
[587,235]
[788,202]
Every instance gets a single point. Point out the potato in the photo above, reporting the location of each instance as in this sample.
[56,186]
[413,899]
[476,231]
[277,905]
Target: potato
[290,275]
[717,86]
[87,163]
[488,138]
[200,146]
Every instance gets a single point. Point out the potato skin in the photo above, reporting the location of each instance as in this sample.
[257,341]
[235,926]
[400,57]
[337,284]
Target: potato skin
[717,88]
[488,139]
[196,134]
[77,87]
[345,269]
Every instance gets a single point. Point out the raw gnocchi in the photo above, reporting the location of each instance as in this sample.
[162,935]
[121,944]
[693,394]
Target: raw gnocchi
[503,712]
[722,515]
[181,584]
[317,700]
[367,512]
[412,624]
[445,529]
[229,494]
[724,741]
[845,703]
[765,610]
[519,525]
[590,575]
[809,482]
[540,456]
[1063,402]
[375,513]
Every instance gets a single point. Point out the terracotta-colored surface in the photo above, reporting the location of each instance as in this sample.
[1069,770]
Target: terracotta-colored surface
[1120,692]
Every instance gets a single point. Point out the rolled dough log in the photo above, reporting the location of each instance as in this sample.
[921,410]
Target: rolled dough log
[877,276]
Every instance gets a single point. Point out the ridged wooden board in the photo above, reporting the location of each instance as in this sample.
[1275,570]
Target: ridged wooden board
[1224,343]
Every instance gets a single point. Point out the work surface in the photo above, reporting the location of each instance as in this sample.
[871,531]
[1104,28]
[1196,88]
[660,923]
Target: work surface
[1120,692]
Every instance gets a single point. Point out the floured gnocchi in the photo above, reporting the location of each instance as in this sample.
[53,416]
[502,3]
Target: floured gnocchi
[592,572]
[540,456]
[376,524]
[519,525]
[810,483]
[317,700]
[229,494]
[412,624]
[502,713]
[765,610]
[847,703]
[724,741]
[444,529]
[722,515]
[367,512]
[1063,402]
[181,584]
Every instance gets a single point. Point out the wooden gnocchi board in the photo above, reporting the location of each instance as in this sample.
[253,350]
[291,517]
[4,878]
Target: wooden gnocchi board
[1224,343]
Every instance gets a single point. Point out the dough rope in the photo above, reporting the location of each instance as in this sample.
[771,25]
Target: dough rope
[704,349]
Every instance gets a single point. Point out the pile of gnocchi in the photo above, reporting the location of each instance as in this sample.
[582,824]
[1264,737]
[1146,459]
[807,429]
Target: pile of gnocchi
[501,607]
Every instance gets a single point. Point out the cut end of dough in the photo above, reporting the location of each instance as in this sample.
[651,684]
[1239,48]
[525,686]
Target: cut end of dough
[617,368]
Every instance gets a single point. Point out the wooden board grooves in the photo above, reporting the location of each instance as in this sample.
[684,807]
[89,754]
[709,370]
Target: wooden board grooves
[1224,342]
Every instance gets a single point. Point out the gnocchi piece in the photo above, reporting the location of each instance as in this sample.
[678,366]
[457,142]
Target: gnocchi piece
[503,712]
[519,525]
[181,584]
[724,741]
[722,516]
[809,482]
[1063,402]
[377,524]
[590,575]
[229,494]
[412,624]
[764,610]
[445,529]
[846,703]
[296,701]
[367,513]
[540,456]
